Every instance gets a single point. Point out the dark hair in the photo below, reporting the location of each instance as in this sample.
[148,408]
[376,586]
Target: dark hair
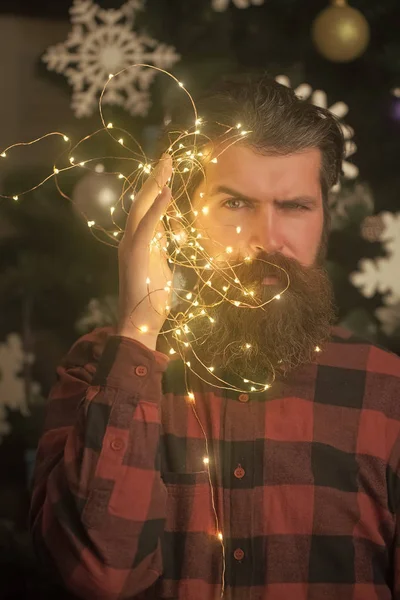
[279,121]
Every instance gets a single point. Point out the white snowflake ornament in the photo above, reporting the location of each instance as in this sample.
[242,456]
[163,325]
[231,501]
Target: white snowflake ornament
[102,43]
[221,5]
[382,274]
[12,387]
[340,110]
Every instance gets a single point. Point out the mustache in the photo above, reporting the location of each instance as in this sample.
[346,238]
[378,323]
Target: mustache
[269,265]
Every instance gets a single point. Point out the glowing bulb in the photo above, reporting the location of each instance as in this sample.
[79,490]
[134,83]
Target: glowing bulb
[208,282]
[132,196]
[188,363]
[3,154]
[172,351]
[191,395]
[90,223]
[110,76]
[206,460]
[247,258]
[225,288]
[317,349]
[266,386]
[229,250]
[211,369]
[246,380]
[189,295]
[204,210]
[180,83]
[243,132]
[237,303]
[15,197]
[278,297]
[252,389]
[220,536]
[115,233]
[248,345]
[120,176]
[178,331]
[144,329]
[66,138]
[198,121]
[238,229]
[110,126]
[211,320]
[112,208]
[201,194]
[237,280]
[147,281]
[214,160]
[82,164]
[195,212]
[203,312]
[56,171]
[238,126]
[121,141]
[71,160]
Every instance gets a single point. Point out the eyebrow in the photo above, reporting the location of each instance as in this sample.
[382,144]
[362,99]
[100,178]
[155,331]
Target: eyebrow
[224,189]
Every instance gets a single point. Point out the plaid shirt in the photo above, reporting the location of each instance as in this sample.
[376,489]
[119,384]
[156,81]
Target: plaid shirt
[306,478]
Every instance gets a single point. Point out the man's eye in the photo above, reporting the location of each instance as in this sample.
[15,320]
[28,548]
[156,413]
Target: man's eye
[294,206]
[233,200]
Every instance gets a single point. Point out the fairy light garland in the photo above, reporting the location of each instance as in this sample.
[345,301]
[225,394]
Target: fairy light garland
[189,157]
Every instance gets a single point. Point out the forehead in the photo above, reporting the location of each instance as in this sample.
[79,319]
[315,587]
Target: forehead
[263,176]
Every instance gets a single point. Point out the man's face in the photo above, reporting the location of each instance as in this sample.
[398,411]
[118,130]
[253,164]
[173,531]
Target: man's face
[276,202]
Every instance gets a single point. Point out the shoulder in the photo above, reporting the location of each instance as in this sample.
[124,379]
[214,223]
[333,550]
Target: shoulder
[354,352]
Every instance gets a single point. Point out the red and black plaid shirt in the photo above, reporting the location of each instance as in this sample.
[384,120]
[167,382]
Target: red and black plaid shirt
[306,478]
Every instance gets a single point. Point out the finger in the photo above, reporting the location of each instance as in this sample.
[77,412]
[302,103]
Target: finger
[148,192]
[149,223]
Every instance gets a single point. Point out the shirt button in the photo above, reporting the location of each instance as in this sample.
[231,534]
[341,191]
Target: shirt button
[117,444]
[243,397]
[238,554]
[141,370]
[239,472]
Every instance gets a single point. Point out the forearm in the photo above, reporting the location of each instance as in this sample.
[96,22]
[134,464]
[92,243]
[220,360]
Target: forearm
[99,502]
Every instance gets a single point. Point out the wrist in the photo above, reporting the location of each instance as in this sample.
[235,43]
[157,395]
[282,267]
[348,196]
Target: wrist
[148,339]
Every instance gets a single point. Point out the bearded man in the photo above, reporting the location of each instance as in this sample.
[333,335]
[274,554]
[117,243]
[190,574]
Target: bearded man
[162,476]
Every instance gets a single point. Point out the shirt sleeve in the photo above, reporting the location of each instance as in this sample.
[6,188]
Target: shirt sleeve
[98,501]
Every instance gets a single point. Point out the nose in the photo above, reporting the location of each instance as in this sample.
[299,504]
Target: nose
[266,237]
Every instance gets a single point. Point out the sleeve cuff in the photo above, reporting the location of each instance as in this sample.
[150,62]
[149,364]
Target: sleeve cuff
[119,362]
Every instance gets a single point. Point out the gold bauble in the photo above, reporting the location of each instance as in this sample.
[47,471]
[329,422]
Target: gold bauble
[340,33]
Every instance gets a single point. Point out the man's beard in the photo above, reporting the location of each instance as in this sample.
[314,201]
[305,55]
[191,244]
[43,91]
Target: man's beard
[283,334]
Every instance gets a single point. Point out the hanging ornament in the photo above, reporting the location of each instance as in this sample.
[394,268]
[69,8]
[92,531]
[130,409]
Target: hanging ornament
[340,32]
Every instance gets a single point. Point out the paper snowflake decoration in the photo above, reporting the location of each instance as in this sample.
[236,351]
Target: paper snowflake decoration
[100,312]
[102,43]
[12,386]
[221,5]
[382,274]
[340,110]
